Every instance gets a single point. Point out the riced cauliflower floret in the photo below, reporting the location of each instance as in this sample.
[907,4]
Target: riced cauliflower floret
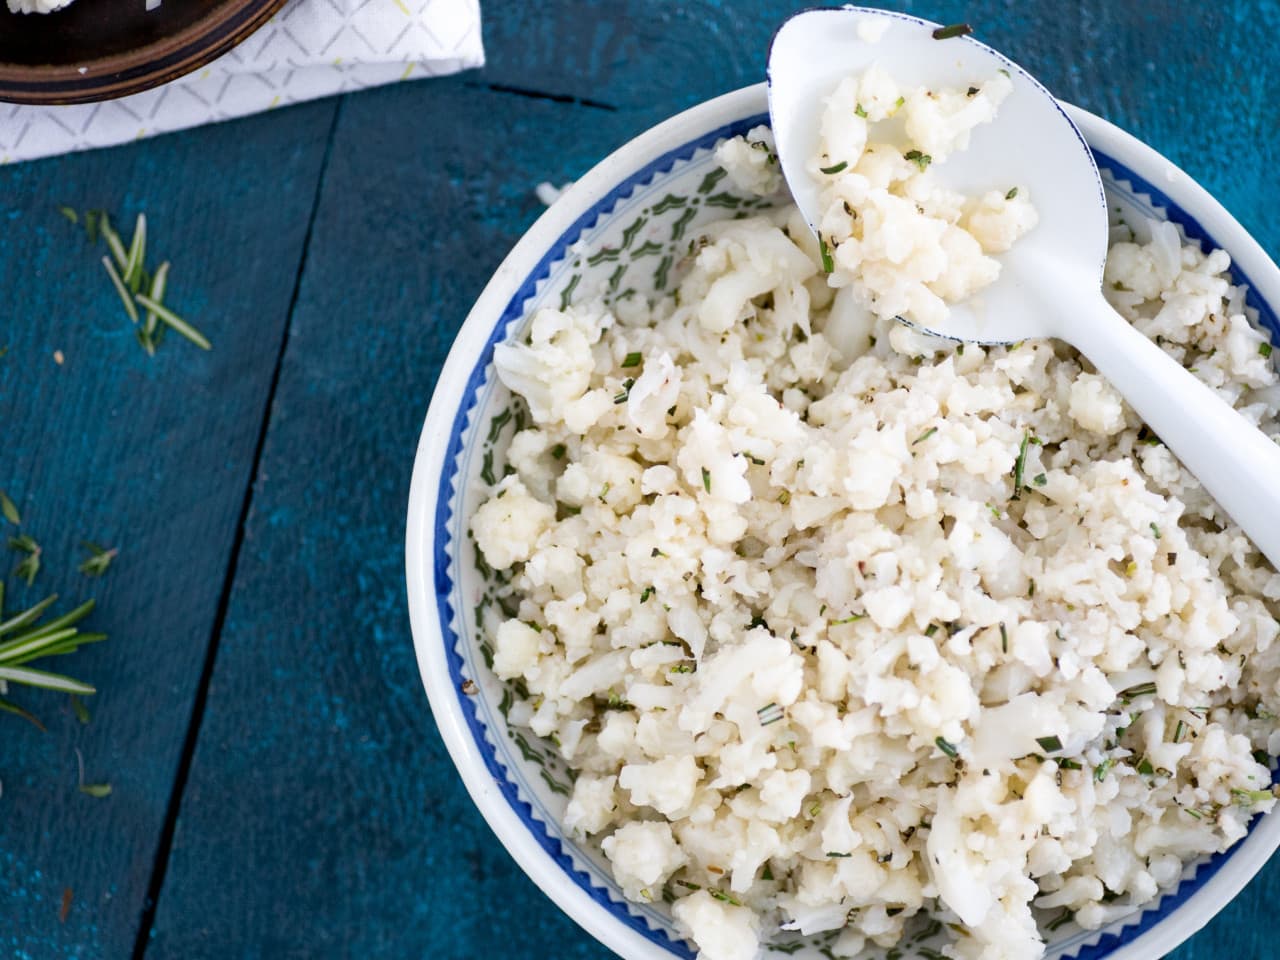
[592,806]
[752,162]
[515,649]
[508,524]
[940,122]
[721,930]
[1096,405]
[643,854]
[998,219]
[554,368]
[665,785]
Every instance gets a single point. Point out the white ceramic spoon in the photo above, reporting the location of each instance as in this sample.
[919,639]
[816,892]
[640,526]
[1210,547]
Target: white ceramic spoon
[1051,281]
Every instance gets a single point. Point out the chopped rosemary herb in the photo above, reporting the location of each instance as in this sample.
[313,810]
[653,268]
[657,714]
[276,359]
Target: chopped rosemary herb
[1013,192]
[1247,798]
[924,436]
[930,630]
[706,479]
[784,497]
[645,594]
[1004,639]
[631,360]
[856,617]
[627,384]
[954,30]
[1155,531]
[10,510]
[921,160]
[79,709]
[837,856]
[1139,690]
[946,748]
[1066,763]
[27,569]
[769,713]
[723,897]
[828,264]
[1049,744]
[1264,349]
[558,451]
[1145,768]
[1020,464]
[1101,770]
[99,559]
[835,168]
[1062,918]
[1040,480]
[860,111]
[1178,731]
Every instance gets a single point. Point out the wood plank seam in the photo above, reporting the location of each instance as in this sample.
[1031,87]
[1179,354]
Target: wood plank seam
[165,846]
[543,95]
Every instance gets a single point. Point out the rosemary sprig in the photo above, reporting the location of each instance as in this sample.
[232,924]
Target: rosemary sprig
[127,270]
[27,569]
[28,640]
[99,559]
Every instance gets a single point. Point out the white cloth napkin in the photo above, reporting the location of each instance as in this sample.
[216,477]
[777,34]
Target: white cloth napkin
[310,48]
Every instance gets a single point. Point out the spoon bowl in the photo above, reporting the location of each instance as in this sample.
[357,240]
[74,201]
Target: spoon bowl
[1050,281]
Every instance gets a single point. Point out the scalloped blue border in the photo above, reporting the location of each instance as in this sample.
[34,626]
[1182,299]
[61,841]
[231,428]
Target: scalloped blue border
[444,585]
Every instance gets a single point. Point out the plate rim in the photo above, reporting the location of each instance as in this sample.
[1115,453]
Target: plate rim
[143,68]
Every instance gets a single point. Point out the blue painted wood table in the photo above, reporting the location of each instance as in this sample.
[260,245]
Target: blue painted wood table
[278,788]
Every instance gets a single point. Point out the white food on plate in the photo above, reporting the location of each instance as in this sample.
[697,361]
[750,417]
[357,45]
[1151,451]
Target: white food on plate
[907,244]
[838,623]
[36,6]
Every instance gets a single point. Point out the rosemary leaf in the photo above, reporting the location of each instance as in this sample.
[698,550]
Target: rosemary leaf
[79,709]
[9,509]
[41,678]
[158,284]
[137,254]
[28,616]
[96,564]
[113,241]
[121,289]
[171,319]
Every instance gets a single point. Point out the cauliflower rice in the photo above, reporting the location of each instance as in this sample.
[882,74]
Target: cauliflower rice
[838,623]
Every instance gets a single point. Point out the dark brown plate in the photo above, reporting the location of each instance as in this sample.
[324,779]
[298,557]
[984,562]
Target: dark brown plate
[103,49]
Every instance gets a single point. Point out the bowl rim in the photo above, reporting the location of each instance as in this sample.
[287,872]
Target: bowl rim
[164,59]
[1186,915]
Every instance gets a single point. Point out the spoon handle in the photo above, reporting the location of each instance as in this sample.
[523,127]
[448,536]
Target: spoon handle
[1235,461]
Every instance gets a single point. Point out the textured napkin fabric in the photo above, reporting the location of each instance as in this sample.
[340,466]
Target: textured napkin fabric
[310,48]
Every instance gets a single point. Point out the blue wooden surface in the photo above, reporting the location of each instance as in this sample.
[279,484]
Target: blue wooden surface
[295,801]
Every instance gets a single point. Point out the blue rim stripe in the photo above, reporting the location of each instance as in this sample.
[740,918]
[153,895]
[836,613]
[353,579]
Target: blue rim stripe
[515,309]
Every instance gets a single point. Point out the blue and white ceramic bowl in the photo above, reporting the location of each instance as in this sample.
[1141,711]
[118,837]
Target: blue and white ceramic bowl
[618,233]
